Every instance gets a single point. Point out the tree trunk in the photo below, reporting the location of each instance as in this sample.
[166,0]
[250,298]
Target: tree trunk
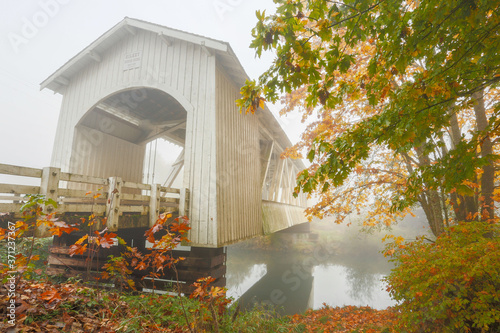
[488,175]
[462,206]
[430,200]
[430,203]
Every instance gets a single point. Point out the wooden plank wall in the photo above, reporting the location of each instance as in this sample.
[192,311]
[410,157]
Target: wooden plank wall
[113,157]
[184,71]
[239,184]
[200,152]
[278,216]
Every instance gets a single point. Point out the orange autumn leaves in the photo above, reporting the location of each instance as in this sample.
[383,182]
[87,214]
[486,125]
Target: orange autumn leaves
[50,307]
[346,319]
[102,239]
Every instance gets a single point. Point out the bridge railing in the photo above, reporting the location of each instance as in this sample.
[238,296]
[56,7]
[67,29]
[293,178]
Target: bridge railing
[111,197]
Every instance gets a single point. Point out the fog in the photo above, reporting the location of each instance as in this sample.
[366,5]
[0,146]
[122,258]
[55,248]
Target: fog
[333,264]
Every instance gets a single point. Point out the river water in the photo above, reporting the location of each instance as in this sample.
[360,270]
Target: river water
[332,265]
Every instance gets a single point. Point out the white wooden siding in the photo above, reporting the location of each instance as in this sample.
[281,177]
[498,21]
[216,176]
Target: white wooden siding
[238,167]
[181,70]
[112,157]
[278,216]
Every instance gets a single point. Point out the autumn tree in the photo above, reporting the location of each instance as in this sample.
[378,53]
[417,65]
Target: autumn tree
[405,95]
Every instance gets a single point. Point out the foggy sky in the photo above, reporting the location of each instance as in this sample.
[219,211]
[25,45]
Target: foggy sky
[38,37]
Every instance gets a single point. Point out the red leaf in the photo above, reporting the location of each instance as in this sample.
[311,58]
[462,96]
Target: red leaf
[61,227]
[51,295]
[107,240]
[77,249]
[151,231]
[181,228]
[141,266]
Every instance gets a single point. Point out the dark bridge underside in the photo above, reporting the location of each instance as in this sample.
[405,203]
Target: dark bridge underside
[198,263]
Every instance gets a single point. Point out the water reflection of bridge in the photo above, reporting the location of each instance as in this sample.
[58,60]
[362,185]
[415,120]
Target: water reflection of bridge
[293,279]
[286,286]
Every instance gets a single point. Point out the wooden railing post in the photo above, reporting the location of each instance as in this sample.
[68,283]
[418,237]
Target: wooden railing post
[113,203]
[184,202]
[154,204]
[49,185]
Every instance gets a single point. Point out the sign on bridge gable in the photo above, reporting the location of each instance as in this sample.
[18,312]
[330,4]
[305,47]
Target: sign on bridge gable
[132,60]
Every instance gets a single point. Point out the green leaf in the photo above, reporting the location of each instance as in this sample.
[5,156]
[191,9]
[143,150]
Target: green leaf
[310,155]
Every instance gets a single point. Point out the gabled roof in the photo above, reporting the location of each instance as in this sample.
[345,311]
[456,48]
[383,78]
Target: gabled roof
[225,56]
[128,26]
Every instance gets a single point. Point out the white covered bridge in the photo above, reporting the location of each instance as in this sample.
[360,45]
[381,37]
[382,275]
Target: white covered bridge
[141,81]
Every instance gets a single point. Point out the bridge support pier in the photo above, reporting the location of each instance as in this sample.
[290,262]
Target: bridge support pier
[198,263]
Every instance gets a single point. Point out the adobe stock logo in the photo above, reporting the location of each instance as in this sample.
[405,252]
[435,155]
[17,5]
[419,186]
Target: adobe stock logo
[47,10]
[223,6]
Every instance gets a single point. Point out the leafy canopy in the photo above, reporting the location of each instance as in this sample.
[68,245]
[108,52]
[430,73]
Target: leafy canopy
[415,64]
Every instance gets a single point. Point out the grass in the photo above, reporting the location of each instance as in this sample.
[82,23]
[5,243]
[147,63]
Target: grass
[79,308]
[159,313]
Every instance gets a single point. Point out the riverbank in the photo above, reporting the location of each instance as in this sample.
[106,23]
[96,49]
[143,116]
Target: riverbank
[346,319]
[72,307]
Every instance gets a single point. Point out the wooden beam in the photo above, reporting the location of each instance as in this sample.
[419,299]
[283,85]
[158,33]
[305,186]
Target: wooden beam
[113,204]
[137,186]
[168,40]
[274,192]
[170,190]
[63,192]
[266,158]
[168,123]
[233,67]
[205,49]
[131,30]
[184,202]
[154,204]
[73,262]
[70,177]
[95,56]
[19,189]
[288,188]
[48,187]
[163,133]
[8,169]
[81,208]
[80,200]
[62,80]
[135,197]
[171,137]
[271,135]
[176,168]
[169,200]
[13,198]
[10,207]
[177,34]
[143,210]
[50,183]
[126,116]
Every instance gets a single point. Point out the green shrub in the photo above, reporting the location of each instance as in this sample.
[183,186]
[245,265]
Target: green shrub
[451,285]
[151,313]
